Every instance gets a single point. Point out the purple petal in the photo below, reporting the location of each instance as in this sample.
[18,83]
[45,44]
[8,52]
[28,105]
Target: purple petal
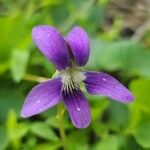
[78,41]
[104,84]
[52,45]
[78,109]
[42,97]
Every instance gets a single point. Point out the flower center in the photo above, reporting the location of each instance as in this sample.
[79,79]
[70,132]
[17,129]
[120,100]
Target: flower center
[71,79]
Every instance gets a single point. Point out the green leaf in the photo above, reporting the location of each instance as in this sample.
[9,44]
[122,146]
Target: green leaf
[43,130]
[16,37]
[77,140]
[10,99]
[3,139]
[118,116]
[98,105]
[104,2]
[108,143]
[122,55]
[127,143]
[15,130]
[100,128]
[114,31]
[140,113]
[49,3]
[140,107]
[19,64]
[4,66]
[46,146]
[142,134]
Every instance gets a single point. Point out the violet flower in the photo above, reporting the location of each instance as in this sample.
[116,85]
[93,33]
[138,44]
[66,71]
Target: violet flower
[69,54]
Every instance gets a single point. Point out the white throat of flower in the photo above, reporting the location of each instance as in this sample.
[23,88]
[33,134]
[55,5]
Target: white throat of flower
[71,78]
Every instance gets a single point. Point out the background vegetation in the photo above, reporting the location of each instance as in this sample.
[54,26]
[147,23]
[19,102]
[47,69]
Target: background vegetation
[120,45]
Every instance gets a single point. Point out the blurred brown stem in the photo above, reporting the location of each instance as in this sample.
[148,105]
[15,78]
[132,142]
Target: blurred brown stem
[140,32]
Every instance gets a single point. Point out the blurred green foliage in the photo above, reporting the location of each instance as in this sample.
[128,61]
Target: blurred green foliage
[114,126]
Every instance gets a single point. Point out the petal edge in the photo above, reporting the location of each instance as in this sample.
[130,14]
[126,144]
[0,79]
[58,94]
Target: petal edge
[78,109]
[99,83]
[78,41]
[42,97]
[52,45]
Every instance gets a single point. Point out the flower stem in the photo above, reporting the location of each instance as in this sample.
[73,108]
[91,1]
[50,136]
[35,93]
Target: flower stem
[60,108]
[34,78]
[60,114]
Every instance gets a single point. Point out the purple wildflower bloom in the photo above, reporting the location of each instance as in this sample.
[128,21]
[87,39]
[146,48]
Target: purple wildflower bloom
[69,54]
